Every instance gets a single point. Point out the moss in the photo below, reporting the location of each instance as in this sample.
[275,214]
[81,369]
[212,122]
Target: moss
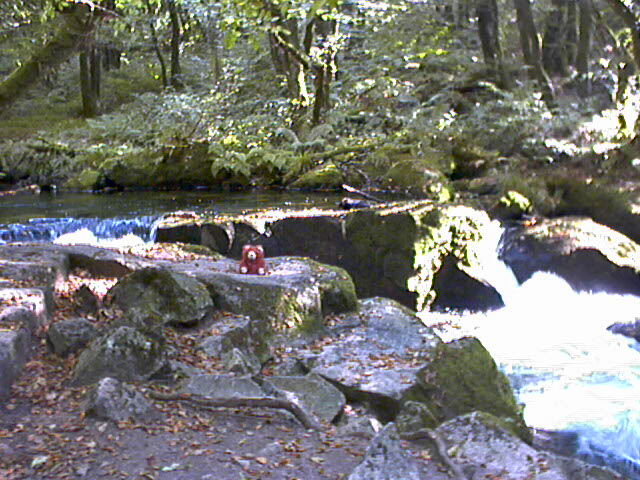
[87,180]
[462,378]
[324,177]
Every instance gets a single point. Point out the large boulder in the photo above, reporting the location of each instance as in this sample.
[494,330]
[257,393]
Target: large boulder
[125,354]
[483,448]
[174,297]
[373,355]
[461,377]
[293,298]
[589,256]
[173,166]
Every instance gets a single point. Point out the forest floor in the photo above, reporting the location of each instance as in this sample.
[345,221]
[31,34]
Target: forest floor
[44,434]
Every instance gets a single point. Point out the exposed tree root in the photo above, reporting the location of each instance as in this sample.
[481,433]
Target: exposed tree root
[307,421]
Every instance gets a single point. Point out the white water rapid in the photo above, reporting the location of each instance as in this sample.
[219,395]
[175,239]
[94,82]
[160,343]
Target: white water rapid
[569,371]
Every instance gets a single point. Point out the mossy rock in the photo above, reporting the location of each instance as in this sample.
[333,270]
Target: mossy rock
[172,166]
[88,180]
[417,178]
[125,354]
[324,177]
[461,378]
[133,169]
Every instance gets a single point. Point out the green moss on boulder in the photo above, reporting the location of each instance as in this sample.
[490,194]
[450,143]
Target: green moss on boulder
[461,378]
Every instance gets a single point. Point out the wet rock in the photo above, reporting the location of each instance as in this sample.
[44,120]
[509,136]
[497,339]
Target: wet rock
[589,256]
[174,297]
[311,392]
[481,445]
[630,330]
[385,459]
[124,354]
[14,351]
[69,336]
[113,400]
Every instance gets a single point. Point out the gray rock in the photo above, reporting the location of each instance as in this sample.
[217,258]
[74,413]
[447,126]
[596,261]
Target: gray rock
[377,360]
[19,316]
[14,351]
[175,297]
[125,354]
[483,448]
[385,459]
[113,400]
[86,303]
[313,393]
[38,300]
[293,298]
[222,386]
[238,332]
[69,336]
[238,362]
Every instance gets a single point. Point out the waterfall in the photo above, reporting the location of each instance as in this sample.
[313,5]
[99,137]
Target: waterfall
[88,230]
[565,367]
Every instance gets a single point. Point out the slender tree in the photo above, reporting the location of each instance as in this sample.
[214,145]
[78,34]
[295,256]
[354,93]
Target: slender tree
[74,24]
[176,36]
[585,23]
[531,50]
[489,32]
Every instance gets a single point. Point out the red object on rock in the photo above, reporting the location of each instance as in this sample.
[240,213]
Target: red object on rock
[252,262]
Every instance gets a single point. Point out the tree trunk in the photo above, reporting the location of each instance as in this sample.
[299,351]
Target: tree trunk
[571,35]
[531,48]
[489,32]
[156,47]
[630,16]
[631,19]
[554,40]
[76,24]
[88,85]
[584,44]
[176,71]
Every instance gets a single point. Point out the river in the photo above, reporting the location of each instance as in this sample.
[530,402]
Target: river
[128,215]
[569,371]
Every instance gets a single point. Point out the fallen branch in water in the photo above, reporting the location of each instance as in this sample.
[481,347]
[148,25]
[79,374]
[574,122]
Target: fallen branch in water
[268,402]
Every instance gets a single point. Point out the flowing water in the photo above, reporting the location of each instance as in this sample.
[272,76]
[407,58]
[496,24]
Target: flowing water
[128,217]
[571,373]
